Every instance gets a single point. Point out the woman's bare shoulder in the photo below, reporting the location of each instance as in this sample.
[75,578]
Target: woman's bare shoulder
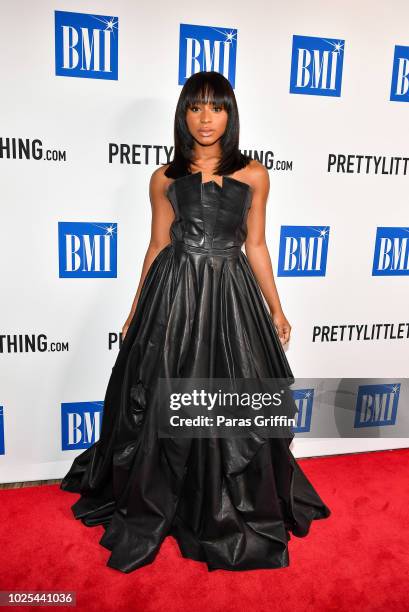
[159,182]
[256,174]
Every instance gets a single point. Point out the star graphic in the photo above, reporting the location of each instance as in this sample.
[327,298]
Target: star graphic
[230,36]
[109,22]
[109,229]
[338,46]
[323,232]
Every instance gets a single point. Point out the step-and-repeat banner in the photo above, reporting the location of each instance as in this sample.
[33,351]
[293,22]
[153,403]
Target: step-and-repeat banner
[88,95]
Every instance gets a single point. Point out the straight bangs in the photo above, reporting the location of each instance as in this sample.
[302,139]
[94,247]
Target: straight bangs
[208,91]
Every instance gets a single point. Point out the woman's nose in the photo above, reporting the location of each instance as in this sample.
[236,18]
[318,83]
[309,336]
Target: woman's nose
[206,116]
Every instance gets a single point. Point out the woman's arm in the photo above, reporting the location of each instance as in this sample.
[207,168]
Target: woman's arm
[257,251]
[162,217]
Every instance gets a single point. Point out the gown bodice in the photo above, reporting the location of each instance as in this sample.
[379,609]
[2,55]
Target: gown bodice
[209,215]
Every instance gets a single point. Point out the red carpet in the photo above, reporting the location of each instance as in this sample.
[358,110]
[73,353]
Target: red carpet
[357,559]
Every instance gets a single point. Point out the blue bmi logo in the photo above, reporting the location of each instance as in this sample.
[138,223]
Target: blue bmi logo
[400,75]
[316,66]
[86,46]
[304,399]
[206,48]
[303,250]
[391,254]
[1,431]
[80,424]
[87,250]
[376,405]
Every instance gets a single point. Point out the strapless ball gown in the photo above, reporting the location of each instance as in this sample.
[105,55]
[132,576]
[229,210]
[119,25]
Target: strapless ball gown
[229,502]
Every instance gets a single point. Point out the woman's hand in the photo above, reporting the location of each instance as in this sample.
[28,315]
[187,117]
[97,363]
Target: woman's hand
[282,326]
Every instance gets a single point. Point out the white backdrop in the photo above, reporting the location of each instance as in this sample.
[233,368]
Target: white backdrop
[82,116]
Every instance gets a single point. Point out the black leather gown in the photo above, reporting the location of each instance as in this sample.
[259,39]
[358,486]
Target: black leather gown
[230,503]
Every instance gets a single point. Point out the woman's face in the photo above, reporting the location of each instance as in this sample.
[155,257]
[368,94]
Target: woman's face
[206,122]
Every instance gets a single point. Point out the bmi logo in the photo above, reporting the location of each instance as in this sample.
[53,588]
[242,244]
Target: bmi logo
[304,399]
[86,46]
[400,75]
[303,250]
[376,405]
[316,66]
[80,424]
[205,48]
[1,431]
[391,255]
[87,250]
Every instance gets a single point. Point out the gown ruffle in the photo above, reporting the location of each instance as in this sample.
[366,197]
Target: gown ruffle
[229,502]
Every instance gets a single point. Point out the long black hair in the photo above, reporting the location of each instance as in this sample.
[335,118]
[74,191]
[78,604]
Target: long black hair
[201,88]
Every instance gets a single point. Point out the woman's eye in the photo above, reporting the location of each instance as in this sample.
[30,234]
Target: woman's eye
[216,108]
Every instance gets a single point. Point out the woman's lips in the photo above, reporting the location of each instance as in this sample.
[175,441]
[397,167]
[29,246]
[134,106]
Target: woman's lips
[205,132]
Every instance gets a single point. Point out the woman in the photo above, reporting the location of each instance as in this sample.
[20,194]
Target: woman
[198,313]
